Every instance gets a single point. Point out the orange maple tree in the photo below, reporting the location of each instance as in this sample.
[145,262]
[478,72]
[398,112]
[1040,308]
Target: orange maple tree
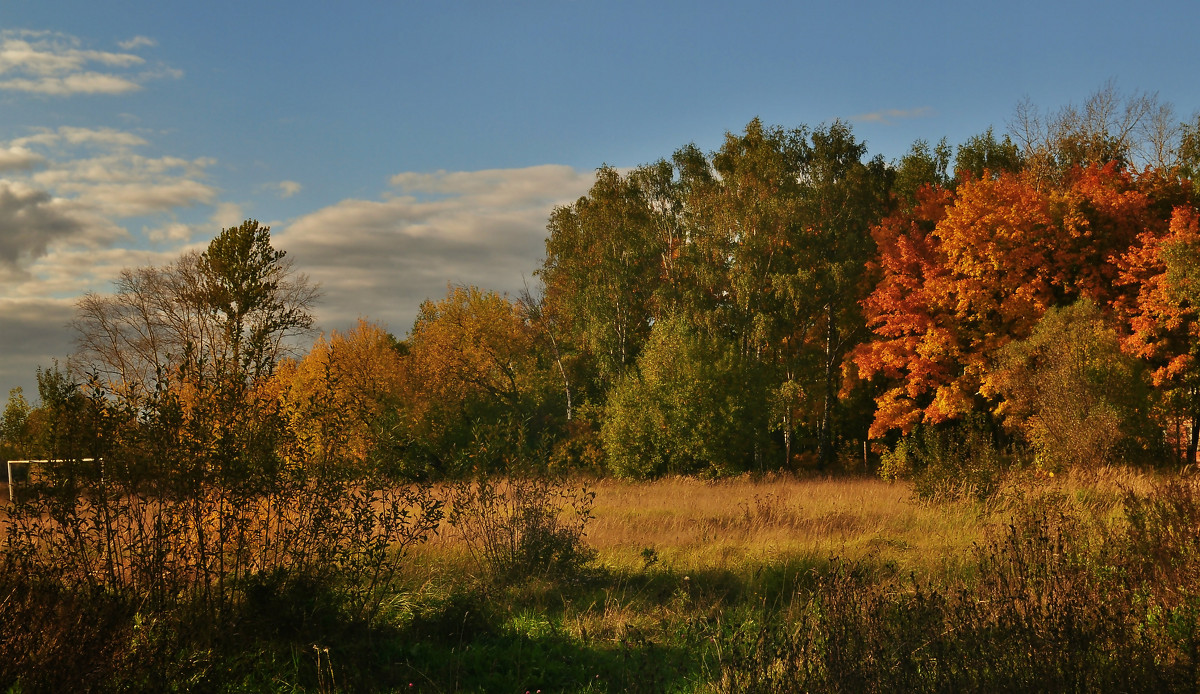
[962,274]
[1164,314]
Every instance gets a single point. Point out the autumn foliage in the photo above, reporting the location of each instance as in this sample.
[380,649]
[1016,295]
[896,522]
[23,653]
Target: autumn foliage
[785,301]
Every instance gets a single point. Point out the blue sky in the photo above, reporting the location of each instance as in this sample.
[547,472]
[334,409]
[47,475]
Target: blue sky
[397,146]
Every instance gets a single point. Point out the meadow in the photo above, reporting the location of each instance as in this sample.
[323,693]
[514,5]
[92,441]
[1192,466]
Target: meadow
[1082,582]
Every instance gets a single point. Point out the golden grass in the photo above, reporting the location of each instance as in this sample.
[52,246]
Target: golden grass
[743,522]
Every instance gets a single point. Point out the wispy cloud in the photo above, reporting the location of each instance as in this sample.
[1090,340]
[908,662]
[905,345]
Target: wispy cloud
[67,135]
[887,116]
[287,189]
[137,42]
[56,64]
[65,190]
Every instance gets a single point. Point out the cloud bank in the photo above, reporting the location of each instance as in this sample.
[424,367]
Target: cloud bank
[382,258]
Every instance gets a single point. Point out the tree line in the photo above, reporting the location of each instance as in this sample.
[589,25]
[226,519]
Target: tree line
[784,302]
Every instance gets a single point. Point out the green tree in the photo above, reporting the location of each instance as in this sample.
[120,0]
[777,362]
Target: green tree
[845,197]
[604,259]
[780,241]
[983,153]
[14,425]
[229,313]
[690,407]
[250,288]
[922,165]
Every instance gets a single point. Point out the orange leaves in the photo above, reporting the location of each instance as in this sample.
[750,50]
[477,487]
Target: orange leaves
[1165,325]
[996,240]
[962,274]
[470,343]
[334,395]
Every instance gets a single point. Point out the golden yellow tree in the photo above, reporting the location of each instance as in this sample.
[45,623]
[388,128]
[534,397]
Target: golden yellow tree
[339,395]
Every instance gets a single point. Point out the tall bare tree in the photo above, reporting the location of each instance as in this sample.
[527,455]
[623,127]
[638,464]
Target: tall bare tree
[235,307]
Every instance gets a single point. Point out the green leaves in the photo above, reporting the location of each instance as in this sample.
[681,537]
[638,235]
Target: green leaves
[689,408]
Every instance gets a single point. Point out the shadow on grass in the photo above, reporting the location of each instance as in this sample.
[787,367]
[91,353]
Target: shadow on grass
[463,644]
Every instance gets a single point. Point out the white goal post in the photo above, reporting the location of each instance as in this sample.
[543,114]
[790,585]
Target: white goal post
[28,465]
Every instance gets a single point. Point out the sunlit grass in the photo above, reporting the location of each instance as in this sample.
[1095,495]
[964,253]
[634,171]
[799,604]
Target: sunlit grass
[732,524]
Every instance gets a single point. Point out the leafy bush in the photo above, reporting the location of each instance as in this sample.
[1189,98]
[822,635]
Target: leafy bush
[954,461]
[1074,395]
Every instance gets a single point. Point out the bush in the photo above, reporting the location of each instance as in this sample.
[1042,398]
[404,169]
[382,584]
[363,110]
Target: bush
[1073,394]
[173,542]
[523,526]
[960,460]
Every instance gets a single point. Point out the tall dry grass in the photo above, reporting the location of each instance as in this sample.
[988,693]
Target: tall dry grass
[725,524]
[749,521]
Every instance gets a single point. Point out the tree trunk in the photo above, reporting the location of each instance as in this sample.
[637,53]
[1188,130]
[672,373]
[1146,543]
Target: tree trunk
[1192,439]
[825,435]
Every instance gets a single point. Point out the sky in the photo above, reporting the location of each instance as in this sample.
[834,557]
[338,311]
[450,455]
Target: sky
[395,148]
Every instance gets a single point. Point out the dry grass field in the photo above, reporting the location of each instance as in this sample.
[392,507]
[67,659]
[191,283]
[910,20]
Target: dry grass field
[738,524]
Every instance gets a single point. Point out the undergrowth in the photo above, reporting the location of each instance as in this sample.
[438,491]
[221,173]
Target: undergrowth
[1070,591]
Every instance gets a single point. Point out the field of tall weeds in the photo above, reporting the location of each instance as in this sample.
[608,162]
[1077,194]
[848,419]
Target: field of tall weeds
[754,584]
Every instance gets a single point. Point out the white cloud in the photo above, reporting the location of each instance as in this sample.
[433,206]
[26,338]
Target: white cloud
[67,135]
[137,42]
[382,258]
[18,158]
[79,83]
[171,232]
[886,116]
[288,188]
[54,64]
[98,168]
[226,215]
[124,200]
[64,192]
[108,137]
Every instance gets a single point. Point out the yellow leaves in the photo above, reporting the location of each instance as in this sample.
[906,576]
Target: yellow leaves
[470,343]
[344,384]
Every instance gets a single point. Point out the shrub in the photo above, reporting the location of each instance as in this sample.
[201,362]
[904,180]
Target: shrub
[1074,395]
[690,407]
[523,526]
[951,461]
[172,541]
